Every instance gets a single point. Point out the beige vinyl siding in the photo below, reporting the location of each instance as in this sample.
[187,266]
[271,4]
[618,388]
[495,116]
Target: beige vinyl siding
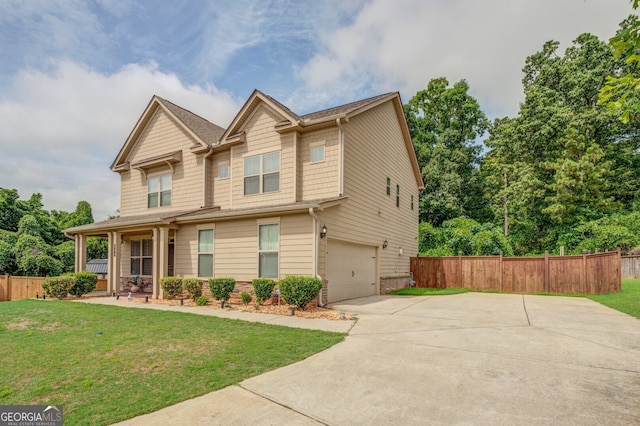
[162,136]
[374,150]
[319,180]
[261,138]
[222,187]
[236,247]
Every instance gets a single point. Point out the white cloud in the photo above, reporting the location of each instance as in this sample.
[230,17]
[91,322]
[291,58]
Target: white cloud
[401,45]
[62,130]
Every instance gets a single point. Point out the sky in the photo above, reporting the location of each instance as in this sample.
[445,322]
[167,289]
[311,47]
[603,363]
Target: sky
[75,76]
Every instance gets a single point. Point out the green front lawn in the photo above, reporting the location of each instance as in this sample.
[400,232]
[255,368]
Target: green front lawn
[627,301]
[105,364]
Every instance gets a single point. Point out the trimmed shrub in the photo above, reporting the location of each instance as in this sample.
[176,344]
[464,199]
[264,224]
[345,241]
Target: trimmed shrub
[172,286]
[299,291]
[246,298]
[58,286]
[263,288]
[85,282]
[193,287]
[202,300]
[221,288]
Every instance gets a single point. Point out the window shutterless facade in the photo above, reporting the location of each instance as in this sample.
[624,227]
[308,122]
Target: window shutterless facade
[223,171]
[262,173]
[159,191]
[389,186]
[205,253]
[397,195]
[317,153]
[268,247]
[142,257]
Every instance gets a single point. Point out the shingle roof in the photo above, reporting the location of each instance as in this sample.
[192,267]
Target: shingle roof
[98,266]
[344,109]
[207,131]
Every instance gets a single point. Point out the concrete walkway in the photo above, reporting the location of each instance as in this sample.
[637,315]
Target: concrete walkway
[473,359]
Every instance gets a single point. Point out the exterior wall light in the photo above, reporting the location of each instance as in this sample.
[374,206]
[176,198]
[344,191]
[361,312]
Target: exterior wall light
[323,231]
[385,244]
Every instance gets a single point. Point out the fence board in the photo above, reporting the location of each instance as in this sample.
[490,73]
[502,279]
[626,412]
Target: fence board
[630,266]
[587,274]
[25,287]
[101,285]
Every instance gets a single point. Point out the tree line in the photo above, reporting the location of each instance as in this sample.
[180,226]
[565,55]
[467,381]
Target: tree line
[31,239]
[563,173]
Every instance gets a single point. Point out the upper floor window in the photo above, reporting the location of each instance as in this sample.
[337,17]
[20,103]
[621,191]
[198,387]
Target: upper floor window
[223,171]
[397,195]
[262,173]
[159,191]
[412,202]
[317,153]
[142,257]
[389,186]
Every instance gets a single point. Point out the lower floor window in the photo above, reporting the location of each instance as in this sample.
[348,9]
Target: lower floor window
[205,253]
[268,250]
[142,257]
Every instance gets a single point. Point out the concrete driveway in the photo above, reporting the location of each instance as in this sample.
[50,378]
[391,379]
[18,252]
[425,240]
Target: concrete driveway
[467,359]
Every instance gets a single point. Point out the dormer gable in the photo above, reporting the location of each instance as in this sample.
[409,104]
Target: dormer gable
[204,133]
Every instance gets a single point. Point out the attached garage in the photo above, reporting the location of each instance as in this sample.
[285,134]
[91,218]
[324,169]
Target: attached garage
[351,270]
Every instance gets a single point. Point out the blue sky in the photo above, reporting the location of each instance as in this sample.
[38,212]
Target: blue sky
[76,75]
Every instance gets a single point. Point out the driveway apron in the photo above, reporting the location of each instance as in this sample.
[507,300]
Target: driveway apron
[472,359]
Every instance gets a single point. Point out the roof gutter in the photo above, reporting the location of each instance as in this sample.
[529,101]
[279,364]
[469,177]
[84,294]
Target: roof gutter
[315,253]
[204,176]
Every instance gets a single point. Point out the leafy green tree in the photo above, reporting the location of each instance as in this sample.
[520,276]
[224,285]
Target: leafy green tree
[10,210]
[444,123]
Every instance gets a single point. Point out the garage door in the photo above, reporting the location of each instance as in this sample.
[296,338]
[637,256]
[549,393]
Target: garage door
[351,270]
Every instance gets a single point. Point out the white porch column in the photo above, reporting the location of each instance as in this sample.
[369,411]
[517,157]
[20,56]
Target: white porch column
[110,241]
[80,253]
[162,235]
[115,257]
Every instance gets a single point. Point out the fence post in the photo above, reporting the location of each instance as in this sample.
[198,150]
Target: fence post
[583,276]
[8,287]
[501,273]
[547,273]
[459,283]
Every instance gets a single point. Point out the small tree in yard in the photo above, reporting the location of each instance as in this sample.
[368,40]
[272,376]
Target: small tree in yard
[299,291]
[58,287]
[172,286]
[263,288]
[193,287]
[221,288]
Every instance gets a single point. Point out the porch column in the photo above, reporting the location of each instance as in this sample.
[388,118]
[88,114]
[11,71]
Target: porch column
[80,253]
[115,257]
[161,235]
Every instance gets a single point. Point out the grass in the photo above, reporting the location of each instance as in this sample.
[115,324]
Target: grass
[627,301]
[105,364]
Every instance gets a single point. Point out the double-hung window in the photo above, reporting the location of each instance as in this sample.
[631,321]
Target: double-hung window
[205,253]
[159,191]
[268,244]
[262,173]
[317,153]
[142,257]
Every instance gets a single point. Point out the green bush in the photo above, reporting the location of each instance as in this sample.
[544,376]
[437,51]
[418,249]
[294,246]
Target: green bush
[193,287]
[246,298]
[221,288]
[85,282]
[299,291]
[202,300]
[263,288]
[172,286]
[58,286]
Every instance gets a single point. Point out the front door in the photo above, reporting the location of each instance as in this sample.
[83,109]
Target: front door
[170,260]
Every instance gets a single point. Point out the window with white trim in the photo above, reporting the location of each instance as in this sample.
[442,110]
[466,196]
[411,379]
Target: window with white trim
[317,153]
[159,191]
[268,246]
[142,257]
[205,253]
[223,171]
[262,173]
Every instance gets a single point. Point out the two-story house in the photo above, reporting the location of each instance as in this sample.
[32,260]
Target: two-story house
[332,194]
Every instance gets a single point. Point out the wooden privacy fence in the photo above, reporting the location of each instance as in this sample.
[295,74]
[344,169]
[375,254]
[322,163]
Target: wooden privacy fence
[630,266]
[16,288]
[585,274]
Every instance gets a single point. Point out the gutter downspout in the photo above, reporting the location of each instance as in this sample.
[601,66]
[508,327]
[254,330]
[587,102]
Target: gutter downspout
[315,253]
[204,177]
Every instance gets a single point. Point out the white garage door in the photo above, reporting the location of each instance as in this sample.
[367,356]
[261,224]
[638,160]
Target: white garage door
[351,270]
